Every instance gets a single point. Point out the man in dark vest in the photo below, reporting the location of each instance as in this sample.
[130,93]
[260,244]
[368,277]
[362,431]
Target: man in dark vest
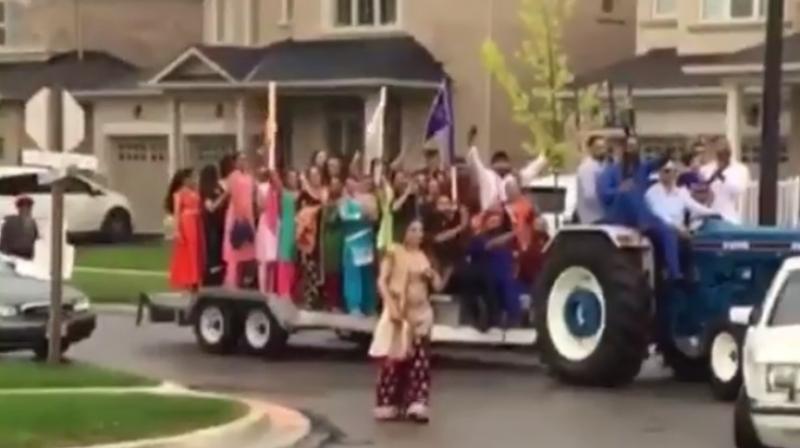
[20,232]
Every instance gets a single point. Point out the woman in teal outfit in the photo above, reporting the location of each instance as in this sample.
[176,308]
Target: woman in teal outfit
[287,246]
[358,212]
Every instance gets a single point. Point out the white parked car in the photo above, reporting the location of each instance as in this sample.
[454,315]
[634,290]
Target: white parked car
[90,208]
[768,409]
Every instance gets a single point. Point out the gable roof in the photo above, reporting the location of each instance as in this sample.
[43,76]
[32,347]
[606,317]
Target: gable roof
[749,60]
[94,71]
[386,59]
[656,69]
[391,58]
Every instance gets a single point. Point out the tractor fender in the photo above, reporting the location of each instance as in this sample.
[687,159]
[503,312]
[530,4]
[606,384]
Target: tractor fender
[620,236]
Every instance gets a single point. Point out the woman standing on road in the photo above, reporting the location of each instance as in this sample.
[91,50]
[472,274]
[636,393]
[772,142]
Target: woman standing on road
[402,337]
[215,202]
[183,202]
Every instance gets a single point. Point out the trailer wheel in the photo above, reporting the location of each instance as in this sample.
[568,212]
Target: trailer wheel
[725,364]
[263,334]
[215,328]
[592,312]
[684,368]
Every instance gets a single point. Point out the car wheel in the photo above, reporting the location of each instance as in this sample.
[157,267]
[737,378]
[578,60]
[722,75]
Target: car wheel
[42,349]
[262,333]
[216,328]
[117,226]
[744,432]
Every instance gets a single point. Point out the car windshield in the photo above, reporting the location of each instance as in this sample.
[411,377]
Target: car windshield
[787,305]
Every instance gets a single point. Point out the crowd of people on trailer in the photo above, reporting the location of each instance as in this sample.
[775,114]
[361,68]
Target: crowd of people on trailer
[341,237]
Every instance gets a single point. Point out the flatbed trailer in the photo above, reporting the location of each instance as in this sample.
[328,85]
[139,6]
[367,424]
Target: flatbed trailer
[226,319]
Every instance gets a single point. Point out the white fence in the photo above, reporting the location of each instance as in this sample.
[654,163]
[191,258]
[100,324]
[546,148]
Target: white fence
[788,203]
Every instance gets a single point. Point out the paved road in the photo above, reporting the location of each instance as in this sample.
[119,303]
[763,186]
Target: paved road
[481,399]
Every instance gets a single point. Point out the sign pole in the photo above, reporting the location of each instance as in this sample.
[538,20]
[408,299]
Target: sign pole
[770,128]
[57,231]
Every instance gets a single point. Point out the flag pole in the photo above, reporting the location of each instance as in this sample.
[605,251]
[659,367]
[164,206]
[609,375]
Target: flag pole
[271,131]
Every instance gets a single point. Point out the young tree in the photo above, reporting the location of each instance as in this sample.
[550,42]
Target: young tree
[538,102]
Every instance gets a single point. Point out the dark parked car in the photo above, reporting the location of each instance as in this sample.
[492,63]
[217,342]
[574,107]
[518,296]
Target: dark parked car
[25,309]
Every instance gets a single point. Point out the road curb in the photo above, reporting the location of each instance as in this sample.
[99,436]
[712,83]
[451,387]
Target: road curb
[265,425]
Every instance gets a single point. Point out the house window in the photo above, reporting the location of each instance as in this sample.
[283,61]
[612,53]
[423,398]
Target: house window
[219,20]
[664,8]
[364,13]
[721,10]
[3,23]
[287,11]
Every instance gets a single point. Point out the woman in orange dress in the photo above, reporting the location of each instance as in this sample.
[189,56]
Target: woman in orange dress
[183,202]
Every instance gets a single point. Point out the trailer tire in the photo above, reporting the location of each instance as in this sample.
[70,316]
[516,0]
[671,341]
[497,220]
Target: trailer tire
[684,368]
[263,334]
[216,328]
[725,363]
[592,313]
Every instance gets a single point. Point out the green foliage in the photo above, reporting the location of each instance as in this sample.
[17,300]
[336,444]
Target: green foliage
[538,102]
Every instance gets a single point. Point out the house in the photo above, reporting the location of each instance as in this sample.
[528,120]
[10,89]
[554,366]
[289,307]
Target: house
[697,71]
[329,59]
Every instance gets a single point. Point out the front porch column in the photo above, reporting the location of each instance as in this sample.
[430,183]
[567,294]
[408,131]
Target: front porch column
[176,156]
[733,119]
[241,124]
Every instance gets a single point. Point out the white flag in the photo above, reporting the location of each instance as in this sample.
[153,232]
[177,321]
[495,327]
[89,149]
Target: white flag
[375,125]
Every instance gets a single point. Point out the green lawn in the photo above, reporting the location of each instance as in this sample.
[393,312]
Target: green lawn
[51,421]
[105,287]
[16,374]
[151,256]
[117,288]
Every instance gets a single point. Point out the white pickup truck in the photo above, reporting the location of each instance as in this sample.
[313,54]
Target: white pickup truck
[768,409]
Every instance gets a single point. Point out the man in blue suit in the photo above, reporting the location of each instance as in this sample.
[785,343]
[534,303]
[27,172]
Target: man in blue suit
[621,188]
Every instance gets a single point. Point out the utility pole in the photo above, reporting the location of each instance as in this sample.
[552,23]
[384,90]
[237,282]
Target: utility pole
[55,324]
[770,127]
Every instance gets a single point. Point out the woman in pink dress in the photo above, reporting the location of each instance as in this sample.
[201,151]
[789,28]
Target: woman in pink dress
[239,245]
[267,233]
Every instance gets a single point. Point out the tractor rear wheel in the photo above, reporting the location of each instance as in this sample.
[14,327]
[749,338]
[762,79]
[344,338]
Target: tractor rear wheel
[593,311]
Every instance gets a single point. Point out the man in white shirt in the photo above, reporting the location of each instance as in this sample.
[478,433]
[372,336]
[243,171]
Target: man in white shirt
[728,180]
[672,203]
[492,180]
[589,207]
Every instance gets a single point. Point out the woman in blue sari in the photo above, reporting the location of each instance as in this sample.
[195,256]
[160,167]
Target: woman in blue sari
[358,212]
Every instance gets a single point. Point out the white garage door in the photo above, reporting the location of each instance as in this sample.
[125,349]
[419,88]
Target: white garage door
[140,171]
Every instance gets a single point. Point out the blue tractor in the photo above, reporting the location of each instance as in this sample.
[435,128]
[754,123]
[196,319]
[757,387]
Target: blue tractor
[602,303]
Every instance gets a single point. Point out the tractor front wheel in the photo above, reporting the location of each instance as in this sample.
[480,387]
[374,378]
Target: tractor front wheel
[725,363]
[593,310]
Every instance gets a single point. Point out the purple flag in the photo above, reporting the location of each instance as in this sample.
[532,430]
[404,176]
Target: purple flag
[441,122]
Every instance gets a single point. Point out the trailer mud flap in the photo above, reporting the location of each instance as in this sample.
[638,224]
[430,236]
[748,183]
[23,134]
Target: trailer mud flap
[164,308]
